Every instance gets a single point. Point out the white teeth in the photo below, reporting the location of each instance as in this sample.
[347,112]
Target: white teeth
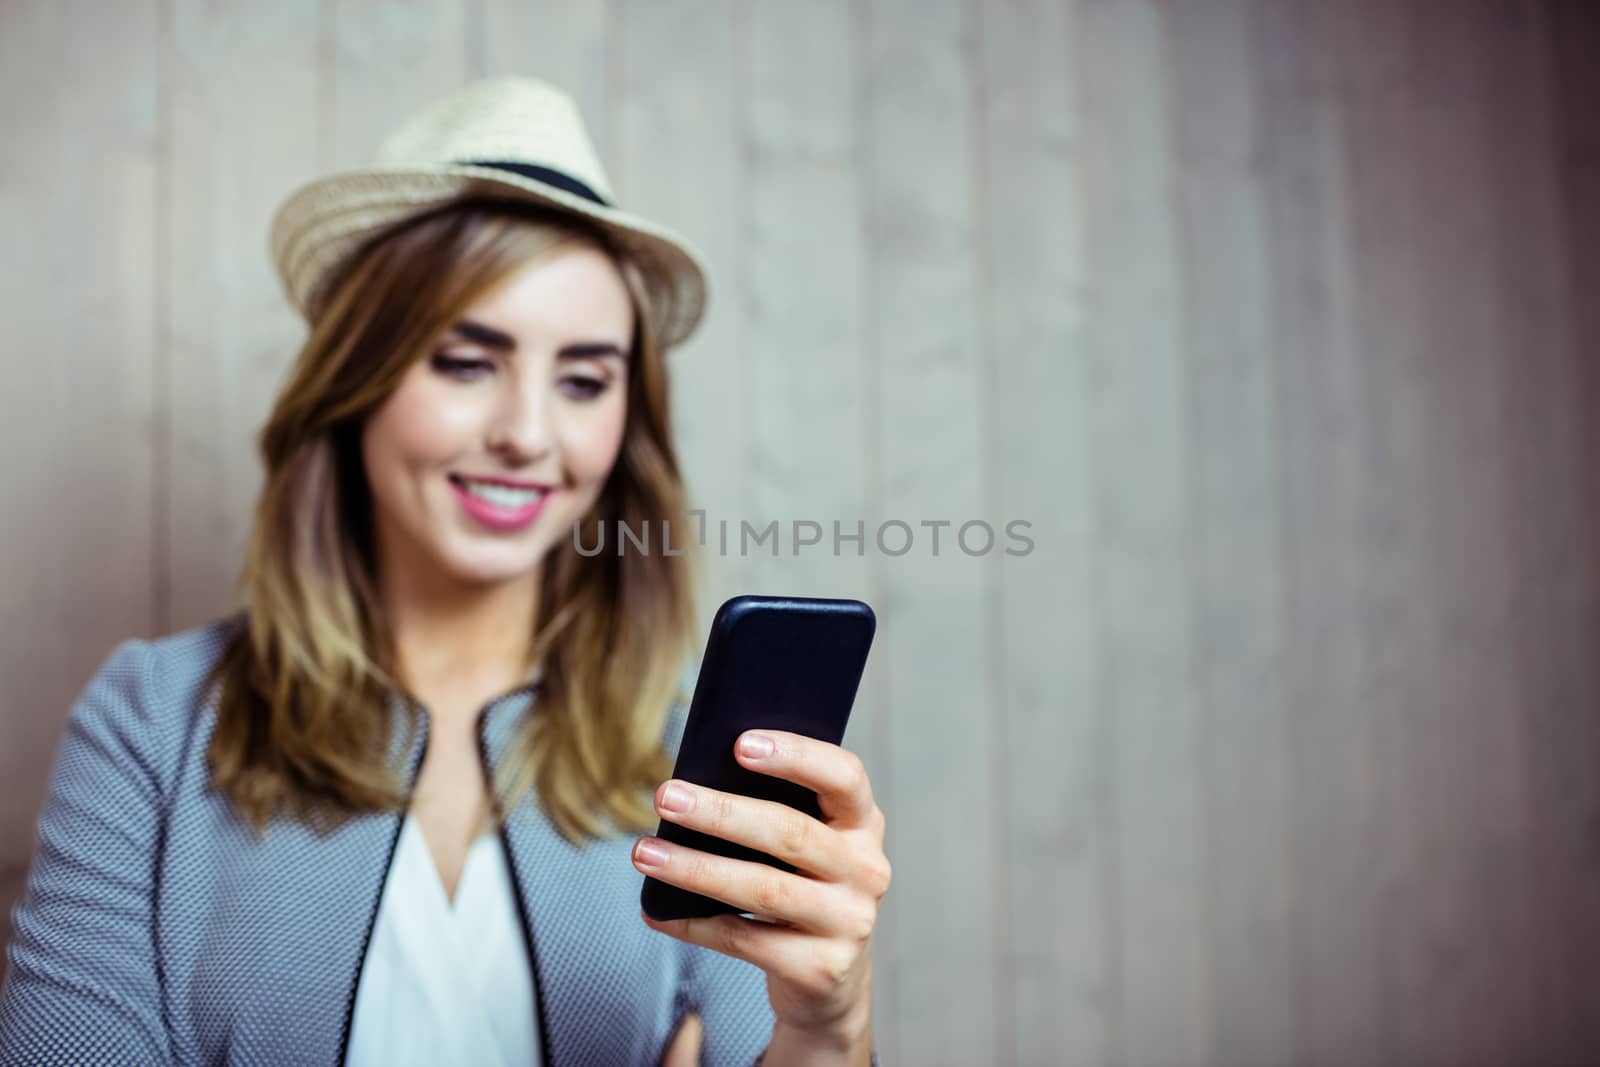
[501,496]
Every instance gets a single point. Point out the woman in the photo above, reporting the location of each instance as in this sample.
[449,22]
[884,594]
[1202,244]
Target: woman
[389,810]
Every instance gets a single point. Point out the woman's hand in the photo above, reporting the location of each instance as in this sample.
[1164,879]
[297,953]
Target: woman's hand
[815,948]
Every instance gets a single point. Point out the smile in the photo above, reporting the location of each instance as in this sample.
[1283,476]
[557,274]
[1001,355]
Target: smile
[499,507]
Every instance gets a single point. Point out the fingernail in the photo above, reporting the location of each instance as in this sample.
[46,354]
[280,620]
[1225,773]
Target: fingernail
[676,798]
[648,853]
[755,746]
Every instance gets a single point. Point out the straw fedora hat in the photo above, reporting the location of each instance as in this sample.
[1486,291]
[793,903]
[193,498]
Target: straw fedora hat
[514,138]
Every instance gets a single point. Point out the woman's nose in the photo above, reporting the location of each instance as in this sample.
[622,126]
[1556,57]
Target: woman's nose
[522,428]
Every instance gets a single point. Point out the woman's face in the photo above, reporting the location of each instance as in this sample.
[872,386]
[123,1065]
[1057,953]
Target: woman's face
[502,435]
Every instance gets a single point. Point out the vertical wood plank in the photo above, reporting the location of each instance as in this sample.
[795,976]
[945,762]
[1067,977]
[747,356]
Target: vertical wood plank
[929,442]
[237,153]
[677,161]
[1053,997]
[1373,49]
[81,205]
[1237,619]
[803,331]
[802,318]
[1334,814]
[1142,440]
[1471,803]
[1523,518]
[1551,272]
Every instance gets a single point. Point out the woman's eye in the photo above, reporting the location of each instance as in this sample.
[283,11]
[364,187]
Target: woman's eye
[457,367]
[583,388]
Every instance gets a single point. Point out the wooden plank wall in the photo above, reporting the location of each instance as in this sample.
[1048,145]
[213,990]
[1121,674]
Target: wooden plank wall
[1275,320]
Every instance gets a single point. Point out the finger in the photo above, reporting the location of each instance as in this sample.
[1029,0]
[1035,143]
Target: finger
[748,886]
[684,1048]
[765,825]
[814,962]
[836,775]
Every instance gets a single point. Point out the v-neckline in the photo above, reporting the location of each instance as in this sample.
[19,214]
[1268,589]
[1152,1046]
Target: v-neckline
[448,904]
[439,955]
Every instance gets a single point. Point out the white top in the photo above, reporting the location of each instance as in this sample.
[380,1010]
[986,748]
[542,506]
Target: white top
[445,984]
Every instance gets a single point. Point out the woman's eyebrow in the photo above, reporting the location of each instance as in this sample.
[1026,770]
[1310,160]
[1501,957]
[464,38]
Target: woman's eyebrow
[485,335]
[488,335]
[590,350]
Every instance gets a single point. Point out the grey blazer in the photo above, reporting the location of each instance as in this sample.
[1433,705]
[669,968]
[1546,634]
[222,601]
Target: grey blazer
[155,929]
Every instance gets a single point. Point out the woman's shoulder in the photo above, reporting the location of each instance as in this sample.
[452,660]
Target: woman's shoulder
[168,667]
[193,651]
[143,696]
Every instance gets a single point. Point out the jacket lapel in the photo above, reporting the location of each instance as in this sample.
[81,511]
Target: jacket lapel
[603,980]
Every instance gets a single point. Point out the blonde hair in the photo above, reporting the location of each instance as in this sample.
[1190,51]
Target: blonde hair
[302,723]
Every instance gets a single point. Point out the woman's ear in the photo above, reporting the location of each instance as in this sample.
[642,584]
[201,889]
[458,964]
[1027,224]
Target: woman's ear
[683,1050]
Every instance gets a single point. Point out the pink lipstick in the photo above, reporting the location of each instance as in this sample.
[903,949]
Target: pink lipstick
[498,515]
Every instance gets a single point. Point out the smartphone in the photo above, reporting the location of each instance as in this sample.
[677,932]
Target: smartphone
[780,663]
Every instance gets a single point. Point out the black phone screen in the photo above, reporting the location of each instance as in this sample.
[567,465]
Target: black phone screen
[780,663]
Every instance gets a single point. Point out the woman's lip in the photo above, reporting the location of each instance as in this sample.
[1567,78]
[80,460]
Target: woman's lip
[499,519]
[507,482]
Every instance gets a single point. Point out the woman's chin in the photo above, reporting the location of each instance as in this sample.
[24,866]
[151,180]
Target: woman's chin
[486,568]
